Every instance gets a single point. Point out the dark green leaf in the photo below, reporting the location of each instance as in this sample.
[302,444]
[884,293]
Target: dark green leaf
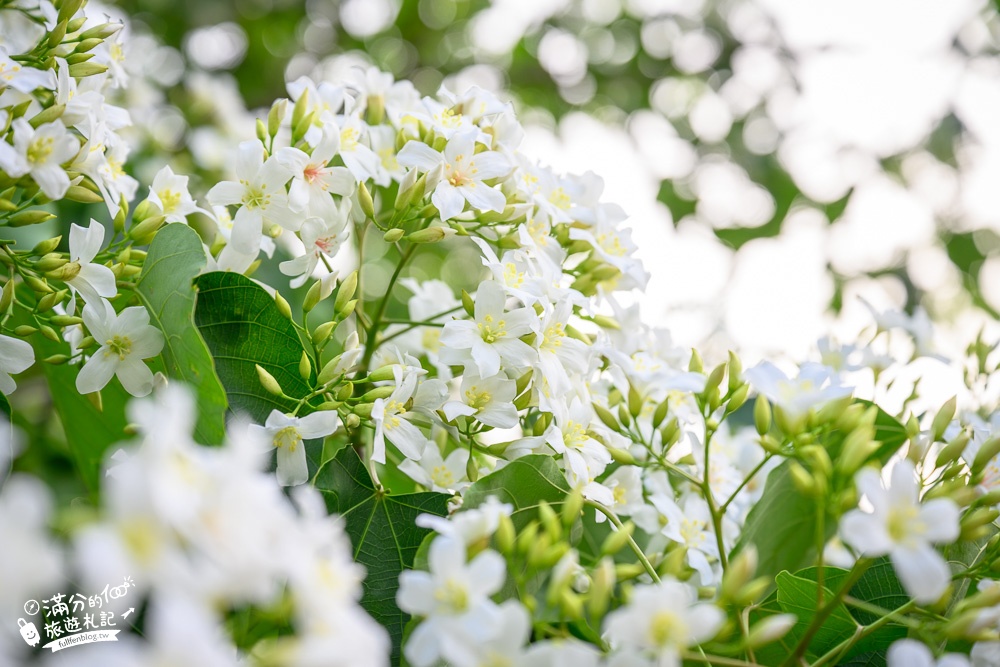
[383,531]
[165,287]
[523,483]
[797,595]
[782,525]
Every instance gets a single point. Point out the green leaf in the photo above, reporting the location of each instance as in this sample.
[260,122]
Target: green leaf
[782,525]
[166,289]
[383,530]
[89,432]
[242,327]
[798,595]
[523,483]
[889,431]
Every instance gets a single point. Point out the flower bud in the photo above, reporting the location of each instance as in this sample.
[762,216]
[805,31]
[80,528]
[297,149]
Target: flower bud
[352,421]
[56,359]
[346,291]
[505,535]
[276,115]
[7,296]
[146,209]
[622,456]
[803,481]
[953,450]
[282,305]
[770,629]
[102,31]
[762,414]
[738,398]
[47,116]
[268,382]
[383,374]
[365,199]
[617,540]
[65,273]
[143,233]
[572,507]
[65,320]
[305,366]
[468,304]
[471,469]
[550,520]
[322,332]
[32,217]
[695,365]
[606,417]
[49,333]
[24,330]
[45,247]
[378,392]
[81,70]
[261,131]
[429,235]
[38,285]
[943,418]
[393,235]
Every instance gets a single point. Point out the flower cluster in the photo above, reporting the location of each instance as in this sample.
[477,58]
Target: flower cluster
[206,536]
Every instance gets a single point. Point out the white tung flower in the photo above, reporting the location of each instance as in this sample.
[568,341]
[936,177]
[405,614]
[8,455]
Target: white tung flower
[903,527]
[93,281]
[16,356]
[462,172]
[40,152]
[169,192]
[126,339]
[454,598]
[815,385]
[662,620]
[445,475]
[287,433]
[260,194]
[487,400]
[494,337]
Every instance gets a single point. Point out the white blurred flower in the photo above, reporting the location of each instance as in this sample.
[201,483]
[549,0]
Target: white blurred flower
[287,433]
[903,527]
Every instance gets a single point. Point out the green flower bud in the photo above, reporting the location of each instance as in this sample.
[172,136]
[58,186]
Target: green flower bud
[606,417]
[46,246]
[346,391]
[695,365]
[87,44]
[393,235]
[143,233]
[24,330]
[472,469]
[738,398]
[56,359]
[49,333]
[102,31]
[622,456]
[282,305]
[346,291]
[505,535]
[468,304]
[32,217]
[38,285]
[322,332]
[365,199]
[363,410]
[275,116]
[803,481]
[305,366]
[65,273]
[943,418]
[261,131]
[145,209]
[65,320]
[81,70]
[48,115]
[986,453]
[352,421]
[377,393]
[429,235]
[953,450]
[383,374]
[7,296]
[617,540]
[268,382]
[572,507]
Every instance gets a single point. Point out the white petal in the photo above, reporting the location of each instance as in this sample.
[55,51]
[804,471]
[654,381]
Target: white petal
[922,571]
[448,200]
[909,653]
[52,180]
[319,424]
[226,193]
[292,467]
[247,234]
[941,517]
[97,372]
[865,533]
[418,154]
[16,355]
[85,242]
[486,357]
[483,197]
[135,376]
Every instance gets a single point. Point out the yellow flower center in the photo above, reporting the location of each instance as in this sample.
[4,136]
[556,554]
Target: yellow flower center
[120,346]
[491,329]
[512,276]
[619,494]
[255,196]
[392,408]
[170,200]
[288,437]
[560,199]
[449,118]
[442,477]
[665,628]
[574,435]
[454,595]
[901,524]
[553,336]
[39,149]
[348,139]
[477,399]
